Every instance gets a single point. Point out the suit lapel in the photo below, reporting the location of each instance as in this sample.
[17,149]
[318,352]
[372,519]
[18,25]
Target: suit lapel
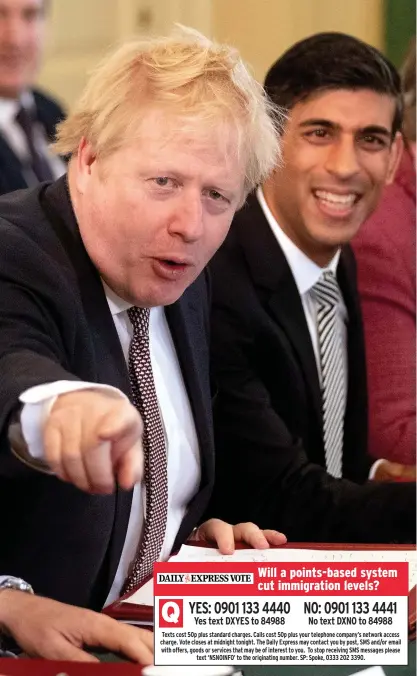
[287,310]
[356,462]
[355,349]
[13,167]
[272,275]
[189,336]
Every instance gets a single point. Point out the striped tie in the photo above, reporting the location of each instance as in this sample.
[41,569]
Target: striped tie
[156,481]
[333,377]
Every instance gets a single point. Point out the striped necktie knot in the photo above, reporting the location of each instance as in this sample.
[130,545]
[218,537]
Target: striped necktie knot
[326,290]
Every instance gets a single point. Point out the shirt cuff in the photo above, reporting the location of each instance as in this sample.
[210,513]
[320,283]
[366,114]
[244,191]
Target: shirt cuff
[38,402]
[374,467]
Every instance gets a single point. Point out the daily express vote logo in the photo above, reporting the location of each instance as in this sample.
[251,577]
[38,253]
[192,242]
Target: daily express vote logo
[205,578]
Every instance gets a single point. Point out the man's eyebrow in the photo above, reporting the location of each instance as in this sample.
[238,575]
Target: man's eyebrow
[370,129]
[376,129]
[318,122]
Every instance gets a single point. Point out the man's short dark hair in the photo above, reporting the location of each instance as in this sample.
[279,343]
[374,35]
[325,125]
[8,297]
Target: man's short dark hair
[329,61]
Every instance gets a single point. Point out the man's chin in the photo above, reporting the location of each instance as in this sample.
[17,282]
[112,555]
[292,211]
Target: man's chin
[338,234]
[14,80]
[159,298]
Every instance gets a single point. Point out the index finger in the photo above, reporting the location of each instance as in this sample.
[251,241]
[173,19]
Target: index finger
[129,469]
[97,463]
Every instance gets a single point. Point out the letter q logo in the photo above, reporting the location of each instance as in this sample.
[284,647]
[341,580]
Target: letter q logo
[171,613]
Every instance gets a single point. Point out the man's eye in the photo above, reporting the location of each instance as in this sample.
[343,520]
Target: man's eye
[162,181]
[374,141]
[32,14]
[319,133]
[216,196]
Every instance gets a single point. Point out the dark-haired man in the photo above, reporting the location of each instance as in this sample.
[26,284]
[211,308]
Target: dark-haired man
[27,116]
[288,354]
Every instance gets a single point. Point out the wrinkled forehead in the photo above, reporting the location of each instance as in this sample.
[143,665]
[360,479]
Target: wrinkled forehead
[171,139]
[211,133]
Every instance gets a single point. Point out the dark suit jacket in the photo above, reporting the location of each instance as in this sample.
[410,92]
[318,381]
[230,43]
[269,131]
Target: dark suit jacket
[267,411]
[55,323]
[49,113]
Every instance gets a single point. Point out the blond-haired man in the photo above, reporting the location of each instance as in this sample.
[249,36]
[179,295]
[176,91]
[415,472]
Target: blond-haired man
[103,337]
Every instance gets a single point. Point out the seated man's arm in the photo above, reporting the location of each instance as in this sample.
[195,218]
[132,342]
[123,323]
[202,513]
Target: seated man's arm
[388,305]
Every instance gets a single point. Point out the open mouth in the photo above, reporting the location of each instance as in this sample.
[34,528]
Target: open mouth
[170,268]
[171,263]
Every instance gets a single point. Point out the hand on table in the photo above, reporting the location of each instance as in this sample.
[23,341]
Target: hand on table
[93,439]
[394,471]
[56,631]
[224,535]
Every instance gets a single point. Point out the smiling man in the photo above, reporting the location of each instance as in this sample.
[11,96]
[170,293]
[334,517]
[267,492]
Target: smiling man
[287,341]
[339,149]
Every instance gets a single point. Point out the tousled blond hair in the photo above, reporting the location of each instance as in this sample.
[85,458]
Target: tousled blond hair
[197,82]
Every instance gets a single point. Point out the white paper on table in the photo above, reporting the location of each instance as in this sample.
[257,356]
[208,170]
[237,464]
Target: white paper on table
[190,553]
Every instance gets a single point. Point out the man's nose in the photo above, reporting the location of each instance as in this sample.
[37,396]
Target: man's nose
[342,160]
[188,219]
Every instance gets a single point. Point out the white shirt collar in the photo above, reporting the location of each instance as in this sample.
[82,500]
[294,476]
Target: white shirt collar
[8,110]
[116,304]
[10,107]
[306,273]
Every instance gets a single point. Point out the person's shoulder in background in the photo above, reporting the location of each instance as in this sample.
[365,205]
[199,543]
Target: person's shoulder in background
[385,249]
[50,111]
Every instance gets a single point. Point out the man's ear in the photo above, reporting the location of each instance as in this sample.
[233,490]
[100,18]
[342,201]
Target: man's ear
[396,151]
[84,162]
